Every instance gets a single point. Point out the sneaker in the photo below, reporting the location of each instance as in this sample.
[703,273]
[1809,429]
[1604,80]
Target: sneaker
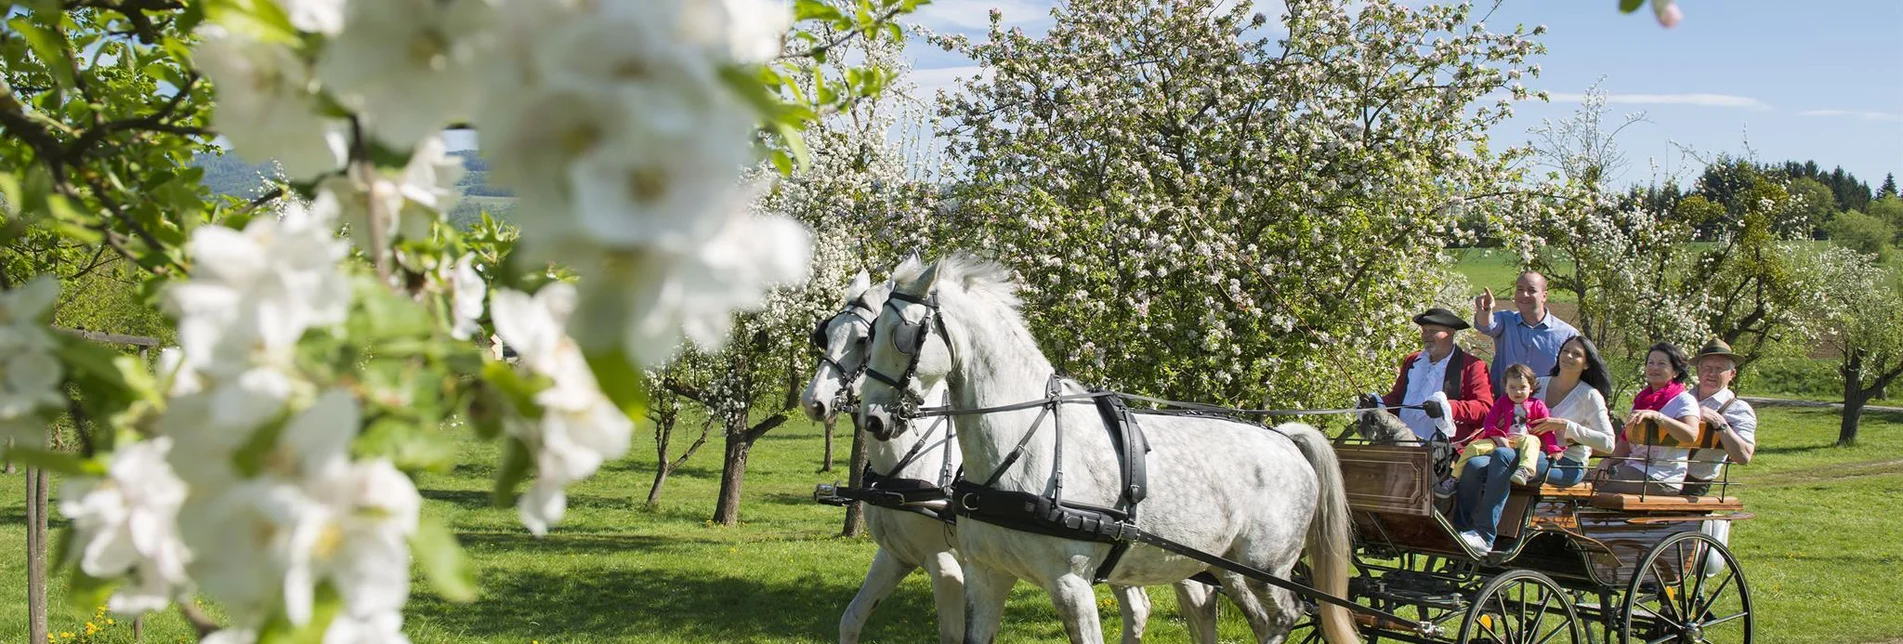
[1523,476]
[1475,542]
[1445,488]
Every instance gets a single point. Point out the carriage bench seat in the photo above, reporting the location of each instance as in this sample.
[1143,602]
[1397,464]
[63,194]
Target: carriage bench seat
[1666,502]
[1548,491]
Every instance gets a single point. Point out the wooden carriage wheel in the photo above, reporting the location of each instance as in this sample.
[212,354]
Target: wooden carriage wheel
[1688,589]
[1522,607]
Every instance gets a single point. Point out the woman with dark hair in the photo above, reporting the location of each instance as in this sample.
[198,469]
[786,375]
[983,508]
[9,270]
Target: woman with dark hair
[1668,404]
[1576,393]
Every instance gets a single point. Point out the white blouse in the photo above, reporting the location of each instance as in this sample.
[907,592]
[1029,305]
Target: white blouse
[1588,429]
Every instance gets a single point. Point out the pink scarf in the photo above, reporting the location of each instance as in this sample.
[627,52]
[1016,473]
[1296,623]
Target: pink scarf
[1655,399]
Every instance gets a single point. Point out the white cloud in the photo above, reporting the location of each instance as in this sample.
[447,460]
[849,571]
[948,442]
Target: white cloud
[1701,100]
[931,80]
[1862,114]
[975,15]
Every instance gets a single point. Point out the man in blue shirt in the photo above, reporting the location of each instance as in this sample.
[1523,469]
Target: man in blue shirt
[1530,336]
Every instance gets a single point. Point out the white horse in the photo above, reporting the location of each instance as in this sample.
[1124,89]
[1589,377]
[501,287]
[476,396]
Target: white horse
[908,541]
[1228,488]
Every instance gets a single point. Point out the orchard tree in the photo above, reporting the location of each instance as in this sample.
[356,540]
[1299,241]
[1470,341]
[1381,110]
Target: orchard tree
[1630,260]
[326,330]
[1869,335]
[1199,209]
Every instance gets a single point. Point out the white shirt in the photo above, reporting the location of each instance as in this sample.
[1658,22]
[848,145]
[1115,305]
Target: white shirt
[1742,419]
[1667,463]
[1424,382]
[1587,427]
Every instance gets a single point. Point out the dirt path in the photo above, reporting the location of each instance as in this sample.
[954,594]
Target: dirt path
[1835,473]
[1786,402]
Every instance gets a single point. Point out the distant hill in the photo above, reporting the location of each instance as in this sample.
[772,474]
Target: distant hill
[228,174]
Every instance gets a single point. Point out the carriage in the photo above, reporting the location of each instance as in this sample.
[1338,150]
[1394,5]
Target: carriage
[1571,564]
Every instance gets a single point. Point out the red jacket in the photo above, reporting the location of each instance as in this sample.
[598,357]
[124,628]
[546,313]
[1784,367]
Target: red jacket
[1471,395]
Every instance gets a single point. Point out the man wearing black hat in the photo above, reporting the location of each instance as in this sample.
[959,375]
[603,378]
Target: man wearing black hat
[1440,367]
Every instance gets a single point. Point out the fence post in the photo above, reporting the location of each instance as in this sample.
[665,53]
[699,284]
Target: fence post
[35,555]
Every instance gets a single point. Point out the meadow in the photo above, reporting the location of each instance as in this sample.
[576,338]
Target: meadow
[1821,556]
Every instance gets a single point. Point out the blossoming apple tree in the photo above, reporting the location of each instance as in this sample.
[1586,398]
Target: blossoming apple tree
[1205,206]
[326,330]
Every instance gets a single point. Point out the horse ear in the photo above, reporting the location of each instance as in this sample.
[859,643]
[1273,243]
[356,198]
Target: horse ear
[858,287]
[910,264]
[926,281]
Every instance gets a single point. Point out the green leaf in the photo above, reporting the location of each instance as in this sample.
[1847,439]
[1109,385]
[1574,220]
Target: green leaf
[895,31]
[443,561]
[1629,6]
[10,194]
[620,381]
[260,19]
[520,391]
[249,457]
[796,143]
[85,593]
[57,462]
[804,10]
[389,315]
[409,446]
[326,603]
[516,462]
[50,46]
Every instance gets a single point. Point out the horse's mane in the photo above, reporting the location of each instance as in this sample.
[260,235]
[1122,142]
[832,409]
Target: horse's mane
[974,275]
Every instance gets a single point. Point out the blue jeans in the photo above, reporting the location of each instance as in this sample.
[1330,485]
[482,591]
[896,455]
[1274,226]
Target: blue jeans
[1482,494]
[1565,472]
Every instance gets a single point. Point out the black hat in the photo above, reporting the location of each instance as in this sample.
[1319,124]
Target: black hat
[1441,317]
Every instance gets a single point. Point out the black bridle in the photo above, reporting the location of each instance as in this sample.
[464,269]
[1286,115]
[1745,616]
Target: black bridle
[845,376]
[908,339]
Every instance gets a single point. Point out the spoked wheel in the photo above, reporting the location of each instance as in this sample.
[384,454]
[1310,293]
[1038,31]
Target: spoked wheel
[1689,589]
[1522,607]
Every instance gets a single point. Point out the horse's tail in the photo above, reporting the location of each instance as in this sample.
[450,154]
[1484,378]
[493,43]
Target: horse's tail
[1328,539]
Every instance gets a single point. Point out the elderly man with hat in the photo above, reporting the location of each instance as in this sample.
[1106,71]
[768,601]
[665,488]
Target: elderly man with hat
[1459,379]
[1733,419]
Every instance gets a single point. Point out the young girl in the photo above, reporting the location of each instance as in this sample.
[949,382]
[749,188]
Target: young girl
[1506,426]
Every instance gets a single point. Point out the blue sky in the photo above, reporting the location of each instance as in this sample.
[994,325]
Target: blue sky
[1789,79]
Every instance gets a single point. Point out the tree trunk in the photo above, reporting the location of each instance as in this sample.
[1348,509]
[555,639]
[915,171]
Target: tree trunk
[856,512]
[733,472]
[660,478]
[36,497]
[827,465]
[1854,398]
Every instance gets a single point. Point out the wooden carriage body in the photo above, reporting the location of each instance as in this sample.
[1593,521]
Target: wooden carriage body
[1604,551]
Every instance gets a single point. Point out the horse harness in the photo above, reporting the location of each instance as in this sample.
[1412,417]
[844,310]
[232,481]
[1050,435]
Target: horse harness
[894,492]
[1050,514]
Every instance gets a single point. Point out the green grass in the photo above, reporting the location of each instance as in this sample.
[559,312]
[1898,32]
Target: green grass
[1822,555]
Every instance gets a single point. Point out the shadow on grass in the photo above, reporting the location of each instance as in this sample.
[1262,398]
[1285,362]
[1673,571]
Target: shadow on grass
[474,499]
[634,605]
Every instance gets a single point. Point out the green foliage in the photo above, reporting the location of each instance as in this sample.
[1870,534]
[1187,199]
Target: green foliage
[1863,233]
[1230,219]
[1890,211]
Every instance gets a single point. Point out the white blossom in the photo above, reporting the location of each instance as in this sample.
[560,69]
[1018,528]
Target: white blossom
[30,373]
[253,293]
[127,521]
[467,290]
[267,104]
[316,16]
[579,427]
[408,65]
